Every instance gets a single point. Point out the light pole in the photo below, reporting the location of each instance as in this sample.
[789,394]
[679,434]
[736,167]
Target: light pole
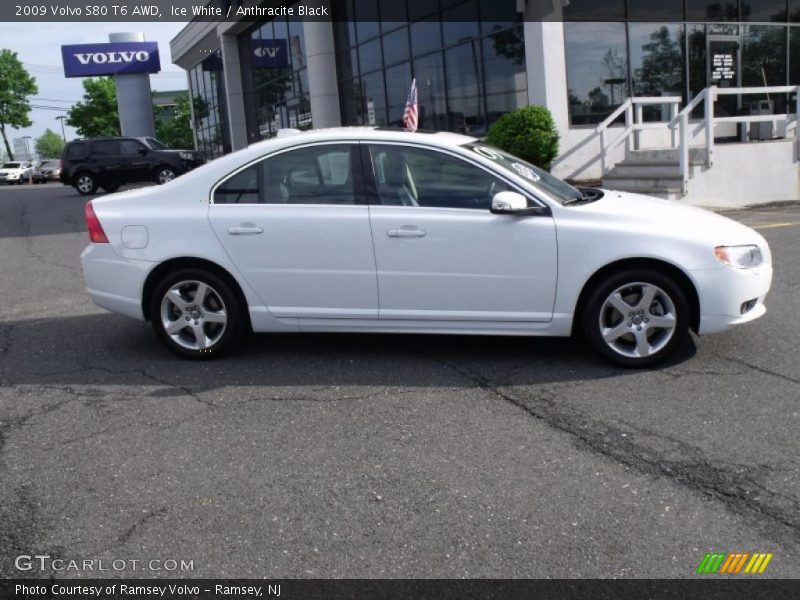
[63,132]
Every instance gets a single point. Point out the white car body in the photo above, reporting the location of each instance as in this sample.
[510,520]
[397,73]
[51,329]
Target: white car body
[340,268]
[16,174]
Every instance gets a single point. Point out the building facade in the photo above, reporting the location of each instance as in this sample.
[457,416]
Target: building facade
[475,60]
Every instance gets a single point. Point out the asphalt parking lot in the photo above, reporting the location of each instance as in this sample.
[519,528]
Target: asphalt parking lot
[383,456]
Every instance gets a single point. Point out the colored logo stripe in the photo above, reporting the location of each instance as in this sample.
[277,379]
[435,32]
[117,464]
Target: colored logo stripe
[722,563]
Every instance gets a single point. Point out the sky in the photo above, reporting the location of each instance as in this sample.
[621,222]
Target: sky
[38,46]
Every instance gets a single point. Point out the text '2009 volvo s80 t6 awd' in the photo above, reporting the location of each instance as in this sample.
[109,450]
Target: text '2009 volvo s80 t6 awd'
[369,230]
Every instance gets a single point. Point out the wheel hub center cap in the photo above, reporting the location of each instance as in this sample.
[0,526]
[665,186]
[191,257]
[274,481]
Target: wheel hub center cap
[638,320]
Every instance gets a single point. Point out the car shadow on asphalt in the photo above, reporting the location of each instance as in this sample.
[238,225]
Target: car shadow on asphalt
[109,349]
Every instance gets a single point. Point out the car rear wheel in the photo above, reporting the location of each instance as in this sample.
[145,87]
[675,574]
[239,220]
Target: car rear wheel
[165,175]
[85,184]
[637,318]
[195,313]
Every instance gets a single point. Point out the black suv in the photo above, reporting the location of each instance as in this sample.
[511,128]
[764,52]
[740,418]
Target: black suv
[113,161]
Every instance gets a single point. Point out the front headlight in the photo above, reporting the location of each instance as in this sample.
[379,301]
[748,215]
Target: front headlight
[741,257]
[186,156]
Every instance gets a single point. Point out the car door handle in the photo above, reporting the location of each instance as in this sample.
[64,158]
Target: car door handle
[406,231]
[245,230]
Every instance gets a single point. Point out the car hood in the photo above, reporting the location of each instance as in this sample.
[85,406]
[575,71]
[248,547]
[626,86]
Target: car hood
[658,215]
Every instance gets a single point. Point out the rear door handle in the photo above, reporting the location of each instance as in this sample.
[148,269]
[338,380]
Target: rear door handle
[406,231]
[245,229]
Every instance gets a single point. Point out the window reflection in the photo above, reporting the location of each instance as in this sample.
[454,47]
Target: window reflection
[597,70]
[657,64]
[208,104]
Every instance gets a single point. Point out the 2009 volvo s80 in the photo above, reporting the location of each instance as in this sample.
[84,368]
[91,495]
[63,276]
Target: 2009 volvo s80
[368,230]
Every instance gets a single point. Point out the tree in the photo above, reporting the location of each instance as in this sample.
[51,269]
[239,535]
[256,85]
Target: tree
[176,132]
[49,144]
[97,115]
[16,85]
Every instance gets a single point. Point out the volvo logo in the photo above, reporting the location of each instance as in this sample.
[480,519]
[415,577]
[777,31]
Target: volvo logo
[267,51]
[101,58]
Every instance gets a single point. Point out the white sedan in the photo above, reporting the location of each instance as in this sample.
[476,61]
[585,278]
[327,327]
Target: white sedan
[369,230]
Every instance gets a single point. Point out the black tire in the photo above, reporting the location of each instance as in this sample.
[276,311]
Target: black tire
[111,188]
[85,183]
[186,343]
[601,315]
[165,175]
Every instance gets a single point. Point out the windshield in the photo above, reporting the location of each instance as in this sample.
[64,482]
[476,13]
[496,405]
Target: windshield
[561,191]
[14,165]
[155,144]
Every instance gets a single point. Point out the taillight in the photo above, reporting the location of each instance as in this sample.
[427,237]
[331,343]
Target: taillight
[96,233]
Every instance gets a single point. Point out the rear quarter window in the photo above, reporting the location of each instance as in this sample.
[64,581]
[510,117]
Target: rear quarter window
[77,150]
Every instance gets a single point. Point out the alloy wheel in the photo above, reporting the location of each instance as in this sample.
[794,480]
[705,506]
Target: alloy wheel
[637,320]
[85,184]
[165,176]
[194,315]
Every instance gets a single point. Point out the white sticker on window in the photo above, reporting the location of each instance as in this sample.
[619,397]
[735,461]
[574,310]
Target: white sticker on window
[487,152]
[526,172]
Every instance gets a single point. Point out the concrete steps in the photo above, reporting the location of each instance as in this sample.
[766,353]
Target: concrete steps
[652,172]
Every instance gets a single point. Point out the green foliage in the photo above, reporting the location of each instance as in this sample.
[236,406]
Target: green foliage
[528,133]
[49,144]
[16,85]
[97,114]
[176,132]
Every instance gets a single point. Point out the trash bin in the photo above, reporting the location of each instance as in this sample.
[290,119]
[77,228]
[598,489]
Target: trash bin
[763,130]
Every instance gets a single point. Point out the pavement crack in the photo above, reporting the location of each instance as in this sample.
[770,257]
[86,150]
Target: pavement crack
[744,363]
[735,486]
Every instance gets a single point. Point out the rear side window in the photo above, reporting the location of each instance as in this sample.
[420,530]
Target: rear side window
[105,148]
[313,175]
[77,150]
[130,147]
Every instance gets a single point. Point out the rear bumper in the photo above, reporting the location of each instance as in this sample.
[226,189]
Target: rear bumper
[114,283]
[724,291]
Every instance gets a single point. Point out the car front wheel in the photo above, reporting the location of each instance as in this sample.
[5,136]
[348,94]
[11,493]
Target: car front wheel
[637,318]
[195,313]
[85,184]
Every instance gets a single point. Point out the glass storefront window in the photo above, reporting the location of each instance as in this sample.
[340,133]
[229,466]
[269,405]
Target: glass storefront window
[208,104]
[429,72]
[597,70]
[426,36]
[712,10]
[398,81]
[655,10]
[374,94]
[595,10]
[657,63]
[395,46]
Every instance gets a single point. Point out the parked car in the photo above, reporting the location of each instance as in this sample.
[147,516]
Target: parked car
[48,170]
[16,172]
[110,162]
[369,230]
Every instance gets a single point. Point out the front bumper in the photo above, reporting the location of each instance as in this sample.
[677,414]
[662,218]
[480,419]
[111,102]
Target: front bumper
[113,282]
[724,292]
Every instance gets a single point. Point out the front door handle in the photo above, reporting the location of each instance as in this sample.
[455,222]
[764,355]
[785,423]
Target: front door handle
[245,229]
[406,231]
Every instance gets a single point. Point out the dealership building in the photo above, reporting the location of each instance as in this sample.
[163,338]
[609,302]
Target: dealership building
[475,60]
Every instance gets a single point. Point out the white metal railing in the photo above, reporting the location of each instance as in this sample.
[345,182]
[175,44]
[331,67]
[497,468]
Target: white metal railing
[633,108]
[709,96]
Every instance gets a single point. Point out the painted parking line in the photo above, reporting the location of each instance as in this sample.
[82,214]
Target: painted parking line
[774,225]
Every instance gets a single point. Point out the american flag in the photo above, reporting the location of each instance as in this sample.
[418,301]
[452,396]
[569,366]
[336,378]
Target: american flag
[411,114]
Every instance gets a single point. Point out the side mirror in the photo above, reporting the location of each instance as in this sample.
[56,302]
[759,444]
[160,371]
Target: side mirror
[513,203]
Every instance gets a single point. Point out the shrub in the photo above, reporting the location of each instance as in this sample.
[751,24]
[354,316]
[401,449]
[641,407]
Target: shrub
[528,133]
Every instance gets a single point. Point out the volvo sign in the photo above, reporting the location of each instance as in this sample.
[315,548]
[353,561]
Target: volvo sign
[115,58]
[270,53]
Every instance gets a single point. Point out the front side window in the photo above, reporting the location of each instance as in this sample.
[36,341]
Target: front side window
[537,177]
[408,176]
[312,175]
[130,148]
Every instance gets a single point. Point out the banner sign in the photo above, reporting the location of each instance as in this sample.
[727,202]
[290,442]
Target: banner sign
[270,53]
[113,58]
